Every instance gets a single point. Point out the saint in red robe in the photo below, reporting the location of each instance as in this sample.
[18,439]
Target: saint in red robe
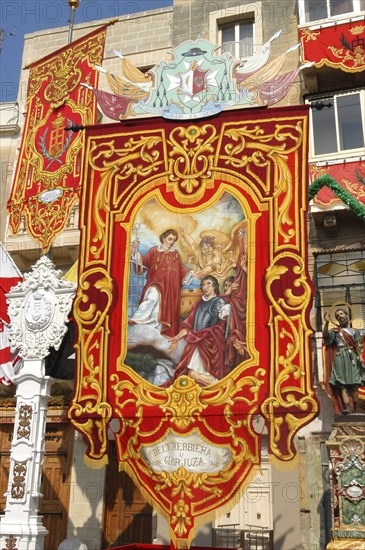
[166,273]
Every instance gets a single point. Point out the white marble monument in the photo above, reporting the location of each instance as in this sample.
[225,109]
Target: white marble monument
[38,310]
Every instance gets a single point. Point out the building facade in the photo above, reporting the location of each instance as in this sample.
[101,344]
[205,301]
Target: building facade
[283,509]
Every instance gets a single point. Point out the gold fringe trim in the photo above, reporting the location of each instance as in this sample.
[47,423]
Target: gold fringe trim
[182,543]
[96,464]
[284,465]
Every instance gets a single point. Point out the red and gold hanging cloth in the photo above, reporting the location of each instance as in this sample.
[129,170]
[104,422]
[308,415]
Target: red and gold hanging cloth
[193,304]
[341,46]
[350,175]
[47,179]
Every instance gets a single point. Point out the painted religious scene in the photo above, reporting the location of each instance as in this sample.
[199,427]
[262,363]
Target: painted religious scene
[187,292]
[192,373]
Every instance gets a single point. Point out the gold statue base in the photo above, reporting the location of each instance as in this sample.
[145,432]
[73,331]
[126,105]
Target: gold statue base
[346,544]
[346,447]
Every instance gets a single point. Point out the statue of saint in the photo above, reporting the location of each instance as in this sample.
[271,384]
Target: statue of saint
[344,369]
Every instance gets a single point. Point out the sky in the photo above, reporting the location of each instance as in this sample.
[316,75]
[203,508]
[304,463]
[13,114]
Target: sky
[19,17]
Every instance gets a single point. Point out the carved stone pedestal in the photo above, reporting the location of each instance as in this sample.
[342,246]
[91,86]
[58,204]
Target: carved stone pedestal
[21,527]
[38,310]
[346,447]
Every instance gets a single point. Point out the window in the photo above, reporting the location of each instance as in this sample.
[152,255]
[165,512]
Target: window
[237,28]
[315,10]
[237,38]
[340,277]
[338,123]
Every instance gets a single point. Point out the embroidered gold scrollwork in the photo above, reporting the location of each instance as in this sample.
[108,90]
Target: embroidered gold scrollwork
[308,34]
[181,518]
[349,58]
[122,169]
[62,73]
[87,313]
[344,544]
[357,189]
[183,481]
[93,416]
[183,403]
[95,411]
[260,152]
[289,364]
[191,161]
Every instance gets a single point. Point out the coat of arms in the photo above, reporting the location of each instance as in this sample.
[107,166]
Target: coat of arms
[199,82]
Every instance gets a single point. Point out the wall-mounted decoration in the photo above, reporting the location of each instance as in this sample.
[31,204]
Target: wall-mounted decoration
[199,82]
[47,179]
[337,45]
[349,175]
[193,303]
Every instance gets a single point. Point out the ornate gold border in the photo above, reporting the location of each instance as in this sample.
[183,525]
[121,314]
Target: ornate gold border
[131,168]
[62,71]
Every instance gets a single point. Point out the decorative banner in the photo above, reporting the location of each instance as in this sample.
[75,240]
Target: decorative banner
[351,177]
[47,178]
[199,82]
[342,45]
[193,303]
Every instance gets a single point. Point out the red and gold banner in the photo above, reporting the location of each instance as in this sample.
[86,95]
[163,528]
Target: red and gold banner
[47,178]
[350,175]
[193,303]
[341,46]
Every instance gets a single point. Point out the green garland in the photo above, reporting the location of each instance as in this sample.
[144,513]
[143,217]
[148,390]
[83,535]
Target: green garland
[339,191]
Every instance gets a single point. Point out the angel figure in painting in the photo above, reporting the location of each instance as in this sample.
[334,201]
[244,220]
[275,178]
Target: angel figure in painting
[345,371]
[209,256]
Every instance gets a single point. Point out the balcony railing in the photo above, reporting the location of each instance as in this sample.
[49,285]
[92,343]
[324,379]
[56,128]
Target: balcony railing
[246,539]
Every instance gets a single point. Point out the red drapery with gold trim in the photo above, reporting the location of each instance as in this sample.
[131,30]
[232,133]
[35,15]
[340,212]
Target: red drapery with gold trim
[350,175]
[47,179]
[233,188]
[341,46]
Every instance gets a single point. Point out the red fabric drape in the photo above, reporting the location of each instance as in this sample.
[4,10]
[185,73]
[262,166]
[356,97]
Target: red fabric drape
[167,435]
[350,175]
[341,46]
[47,179]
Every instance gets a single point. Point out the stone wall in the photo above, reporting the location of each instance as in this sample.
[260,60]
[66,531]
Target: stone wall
[194,19]
[9,136]
[86,499]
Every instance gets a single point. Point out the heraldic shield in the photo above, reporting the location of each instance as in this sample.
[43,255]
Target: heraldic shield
[193,304]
